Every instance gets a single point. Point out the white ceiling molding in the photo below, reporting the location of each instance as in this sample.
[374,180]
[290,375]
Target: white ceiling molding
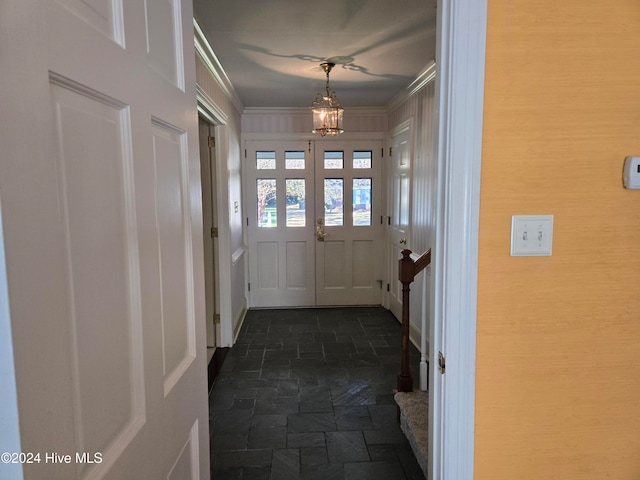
[427,75]
[209,57]
[214,113]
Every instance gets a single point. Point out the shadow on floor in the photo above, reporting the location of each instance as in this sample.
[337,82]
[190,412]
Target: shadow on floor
[308,394]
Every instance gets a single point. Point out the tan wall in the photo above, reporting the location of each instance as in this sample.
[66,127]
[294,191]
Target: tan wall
[558,369]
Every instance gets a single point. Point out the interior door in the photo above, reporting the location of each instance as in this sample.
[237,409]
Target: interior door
[399,204]
[101,204]
[348,223]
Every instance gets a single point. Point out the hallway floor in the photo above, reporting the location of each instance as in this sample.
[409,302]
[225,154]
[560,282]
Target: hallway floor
[308,393]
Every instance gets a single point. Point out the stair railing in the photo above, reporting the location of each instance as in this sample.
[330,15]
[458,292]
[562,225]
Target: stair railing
[408,269]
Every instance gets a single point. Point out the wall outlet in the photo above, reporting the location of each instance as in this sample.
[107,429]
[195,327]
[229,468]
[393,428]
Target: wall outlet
[531,235]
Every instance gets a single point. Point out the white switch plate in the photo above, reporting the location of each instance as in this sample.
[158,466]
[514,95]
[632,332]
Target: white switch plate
[531,235]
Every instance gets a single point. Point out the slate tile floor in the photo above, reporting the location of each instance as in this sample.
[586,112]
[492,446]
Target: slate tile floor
[308,394]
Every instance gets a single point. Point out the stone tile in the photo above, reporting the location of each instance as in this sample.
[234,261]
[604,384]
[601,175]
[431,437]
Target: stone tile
[346,447]
[287,354]
[270,406]
[314,357]
[245,393]
[316,407]
[243,404]
[286,464]
[303,388]
[354,423]
[352,411]
[231,422]
[339,348]
[227,474]
[265,421]
[221,401]
[314,394]
[274,373]
[229,442]
[313,456]
[384,436]
[247,365]
[255,473]
[325,337]
[385,470]
[266,393]
[383,452]
[330,471]
[310,347]
[276,362]
[353,394]
[383,415]
[311,422]
[364,360]
[287,387]
[313,439]
[408,461]
[242,458]
[271,437]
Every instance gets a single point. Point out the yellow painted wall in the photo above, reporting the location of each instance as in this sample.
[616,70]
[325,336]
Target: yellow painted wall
[558,339]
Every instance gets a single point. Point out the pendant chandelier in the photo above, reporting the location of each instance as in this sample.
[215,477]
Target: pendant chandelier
[327,112]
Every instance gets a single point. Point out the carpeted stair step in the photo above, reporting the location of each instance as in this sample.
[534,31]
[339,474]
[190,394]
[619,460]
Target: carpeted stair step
[414,418]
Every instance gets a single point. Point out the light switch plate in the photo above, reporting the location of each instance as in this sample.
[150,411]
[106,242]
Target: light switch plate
[531,235]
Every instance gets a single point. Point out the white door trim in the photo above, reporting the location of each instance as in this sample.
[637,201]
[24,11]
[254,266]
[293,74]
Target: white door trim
[208,108]
[460,59]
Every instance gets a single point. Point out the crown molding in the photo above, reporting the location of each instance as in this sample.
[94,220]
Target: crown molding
[203,48]
[427,75]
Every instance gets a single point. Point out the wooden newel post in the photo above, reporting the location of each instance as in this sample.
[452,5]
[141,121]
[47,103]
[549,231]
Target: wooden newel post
[406,276]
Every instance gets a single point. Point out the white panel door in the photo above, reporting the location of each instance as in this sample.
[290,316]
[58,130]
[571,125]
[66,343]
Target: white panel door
[399,204]
[100,187]
[348,223]
[279,184]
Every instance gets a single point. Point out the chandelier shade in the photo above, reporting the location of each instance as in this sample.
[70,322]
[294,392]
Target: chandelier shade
[326,109]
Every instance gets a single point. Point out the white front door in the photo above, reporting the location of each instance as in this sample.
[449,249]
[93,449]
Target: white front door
[314,224]
[348,223]
[101,211]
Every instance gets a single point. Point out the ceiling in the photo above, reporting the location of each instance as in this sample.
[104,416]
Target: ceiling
[271,50]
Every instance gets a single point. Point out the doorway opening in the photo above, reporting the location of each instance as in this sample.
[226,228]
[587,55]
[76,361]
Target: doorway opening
[315,222]
[210,241]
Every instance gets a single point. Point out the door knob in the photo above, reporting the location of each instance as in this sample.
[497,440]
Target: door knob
[403,241]
[320,235]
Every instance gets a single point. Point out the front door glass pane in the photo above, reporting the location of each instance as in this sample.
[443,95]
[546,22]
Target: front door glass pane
[266,199]
[296,202]
[333,201]
[294,160]
[361,201]
[266,160]
[362,159]
[333,160]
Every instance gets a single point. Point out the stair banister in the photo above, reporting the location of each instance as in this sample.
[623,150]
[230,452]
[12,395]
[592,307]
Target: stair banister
[408,269]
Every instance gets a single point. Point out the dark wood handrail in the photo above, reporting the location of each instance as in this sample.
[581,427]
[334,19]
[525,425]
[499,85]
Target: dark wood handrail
[408,269]
[422,262]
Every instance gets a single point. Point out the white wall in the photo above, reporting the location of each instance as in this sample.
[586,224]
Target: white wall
[225,107]
[420,108]
[298,120]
